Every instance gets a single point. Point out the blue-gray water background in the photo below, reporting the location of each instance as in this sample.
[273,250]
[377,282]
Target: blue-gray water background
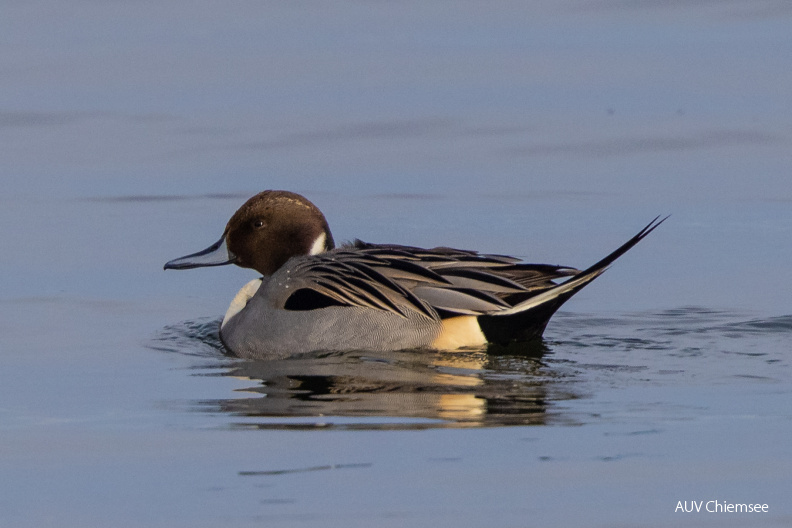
[553,130]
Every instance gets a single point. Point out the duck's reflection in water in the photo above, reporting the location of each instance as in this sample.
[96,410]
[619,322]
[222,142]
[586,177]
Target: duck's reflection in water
[391,390]
[407,389]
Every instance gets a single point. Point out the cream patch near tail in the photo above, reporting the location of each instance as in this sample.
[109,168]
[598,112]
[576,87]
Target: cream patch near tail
[458,332]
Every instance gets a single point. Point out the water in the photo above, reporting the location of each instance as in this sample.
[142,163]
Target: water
[130,132]
[532,384]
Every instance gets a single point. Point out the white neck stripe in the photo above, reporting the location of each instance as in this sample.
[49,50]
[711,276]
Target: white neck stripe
[319,244]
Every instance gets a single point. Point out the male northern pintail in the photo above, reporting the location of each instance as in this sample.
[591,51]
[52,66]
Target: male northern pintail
[314,296]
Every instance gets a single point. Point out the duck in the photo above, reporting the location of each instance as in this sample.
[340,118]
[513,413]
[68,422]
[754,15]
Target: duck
[316,297]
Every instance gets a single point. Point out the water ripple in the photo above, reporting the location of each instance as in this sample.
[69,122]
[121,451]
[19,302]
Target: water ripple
[199,337]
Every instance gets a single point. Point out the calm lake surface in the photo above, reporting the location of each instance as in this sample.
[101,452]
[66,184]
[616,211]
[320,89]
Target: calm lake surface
[554,131]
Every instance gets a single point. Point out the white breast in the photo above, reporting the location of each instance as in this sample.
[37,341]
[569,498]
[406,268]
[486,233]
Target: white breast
[241,299]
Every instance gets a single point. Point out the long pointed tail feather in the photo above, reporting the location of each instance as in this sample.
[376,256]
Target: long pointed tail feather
[529,318]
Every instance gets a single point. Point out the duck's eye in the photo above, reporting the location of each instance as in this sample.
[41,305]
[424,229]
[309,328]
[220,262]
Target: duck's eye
[258,223]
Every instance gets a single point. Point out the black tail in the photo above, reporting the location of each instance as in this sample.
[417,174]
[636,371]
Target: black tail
[528,319]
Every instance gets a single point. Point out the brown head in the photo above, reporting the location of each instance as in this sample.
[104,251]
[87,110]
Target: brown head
[264,233]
